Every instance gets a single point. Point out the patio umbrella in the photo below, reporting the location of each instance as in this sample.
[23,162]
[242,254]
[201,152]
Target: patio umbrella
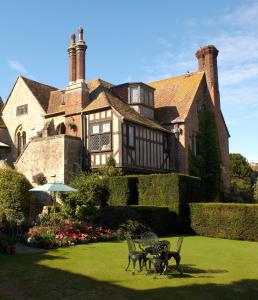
[54,187]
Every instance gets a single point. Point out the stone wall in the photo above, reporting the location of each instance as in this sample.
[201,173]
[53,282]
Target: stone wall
[57,157]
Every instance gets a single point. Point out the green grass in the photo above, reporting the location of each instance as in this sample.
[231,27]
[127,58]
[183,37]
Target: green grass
[213,269]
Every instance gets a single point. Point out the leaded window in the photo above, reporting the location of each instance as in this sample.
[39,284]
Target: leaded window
[134,95]
[100,136]
[22,110]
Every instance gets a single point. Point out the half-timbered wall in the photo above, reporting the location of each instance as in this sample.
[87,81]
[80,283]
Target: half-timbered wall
[99,158]
[148,153]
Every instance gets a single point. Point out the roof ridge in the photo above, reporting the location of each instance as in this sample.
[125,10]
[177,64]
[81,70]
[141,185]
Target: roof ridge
[34,81]
[186,75]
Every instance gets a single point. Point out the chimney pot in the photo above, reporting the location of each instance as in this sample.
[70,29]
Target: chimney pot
[80,33]
[73,38]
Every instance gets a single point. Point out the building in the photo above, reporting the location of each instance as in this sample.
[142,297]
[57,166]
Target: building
[147,127]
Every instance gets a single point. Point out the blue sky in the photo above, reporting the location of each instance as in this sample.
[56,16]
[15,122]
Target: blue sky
[140,41]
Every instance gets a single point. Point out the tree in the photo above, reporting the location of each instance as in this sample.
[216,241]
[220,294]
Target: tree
[239,166]
[241,177]
[207,163]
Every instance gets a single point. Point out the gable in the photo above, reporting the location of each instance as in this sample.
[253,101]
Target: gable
[174,96]
[20,95]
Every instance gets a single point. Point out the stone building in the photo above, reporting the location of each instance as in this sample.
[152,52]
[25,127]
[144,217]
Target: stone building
[146,127]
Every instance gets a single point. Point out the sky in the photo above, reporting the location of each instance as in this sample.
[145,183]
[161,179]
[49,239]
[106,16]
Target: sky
[142,40]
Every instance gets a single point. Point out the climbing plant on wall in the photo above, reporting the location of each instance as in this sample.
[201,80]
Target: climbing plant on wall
[206,164]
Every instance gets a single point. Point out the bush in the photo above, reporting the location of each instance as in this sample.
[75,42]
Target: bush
[110,168]
[142,218]
[14,195]
[225,220]
[39,178]
[91,192]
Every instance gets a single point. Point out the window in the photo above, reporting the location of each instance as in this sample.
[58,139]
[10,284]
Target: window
[134,95]
[100,136]
[22,110]
[193,144]
[165,143]
[146,97]
[20,140]
[151,103]
[130,136]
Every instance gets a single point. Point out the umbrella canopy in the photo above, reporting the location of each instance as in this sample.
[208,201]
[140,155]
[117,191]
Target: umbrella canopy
[3,145]
[53,187]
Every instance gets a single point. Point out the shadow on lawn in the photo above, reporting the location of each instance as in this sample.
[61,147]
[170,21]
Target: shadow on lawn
[22,277]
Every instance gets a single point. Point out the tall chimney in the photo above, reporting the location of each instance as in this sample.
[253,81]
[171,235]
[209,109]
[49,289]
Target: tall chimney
[72,60]
[207,61]
[80,56]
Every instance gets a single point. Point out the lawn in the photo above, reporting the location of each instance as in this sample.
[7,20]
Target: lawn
[213,269]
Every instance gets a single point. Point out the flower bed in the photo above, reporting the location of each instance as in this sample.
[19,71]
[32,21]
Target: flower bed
[66,233]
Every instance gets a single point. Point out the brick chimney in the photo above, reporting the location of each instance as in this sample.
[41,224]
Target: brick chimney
[80,56]
[207,61]
[72,60]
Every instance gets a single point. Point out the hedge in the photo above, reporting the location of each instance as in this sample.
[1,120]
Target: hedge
[122,190]
[167,190]
[225,220]
[160,219]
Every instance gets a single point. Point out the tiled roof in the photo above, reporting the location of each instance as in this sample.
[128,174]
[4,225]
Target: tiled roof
[102,97]
[40,91]
[55,102]
[2,124]
[174,96]
[1,104]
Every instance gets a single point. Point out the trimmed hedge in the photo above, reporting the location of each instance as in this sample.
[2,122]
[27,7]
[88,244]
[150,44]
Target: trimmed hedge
[225,220]
[160,219]
[167,190]
[122,190]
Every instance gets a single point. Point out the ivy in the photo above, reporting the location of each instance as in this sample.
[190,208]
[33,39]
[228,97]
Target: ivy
[207,163]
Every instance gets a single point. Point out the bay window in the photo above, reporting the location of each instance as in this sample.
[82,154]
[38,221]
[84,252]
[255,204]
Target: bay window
[100,136]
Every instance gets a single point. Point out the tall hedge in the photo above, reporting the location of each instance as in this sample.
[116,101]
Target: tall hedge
[122,190]
[167,190]
[225,220]
[14,195]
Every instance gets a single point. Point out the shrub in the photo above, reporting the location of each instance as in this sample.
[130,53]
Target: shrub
[110,168]
[14,195]
[141,218]
[225,220]
[91,192]
[39,178]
